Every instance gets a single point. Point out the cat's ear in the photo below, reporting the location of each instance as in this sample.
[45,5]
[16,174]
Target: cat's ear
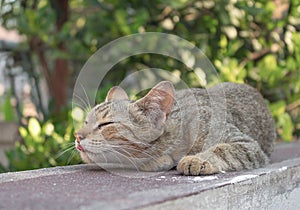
[160,97]
[116,94]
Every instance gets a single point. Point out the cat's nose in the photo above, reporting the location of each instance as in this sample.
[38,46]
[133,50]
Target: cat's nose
[78,137]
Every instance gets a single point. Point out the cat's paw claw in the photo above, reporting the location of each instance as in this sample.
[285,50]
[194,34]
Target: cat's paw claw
[193,165]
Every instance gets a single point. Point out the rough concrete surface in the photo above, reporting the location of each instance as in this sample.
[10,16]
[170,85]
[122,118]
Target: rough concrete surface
[276,186]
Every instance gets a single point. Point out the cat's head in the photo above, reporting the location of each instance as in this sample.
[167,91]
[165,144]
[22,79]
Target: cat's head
[120,128]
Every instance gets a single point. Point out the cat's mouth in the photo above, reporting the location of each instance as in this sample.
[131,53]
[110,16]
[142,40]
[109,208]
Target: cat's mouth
[79,147]
[78,138]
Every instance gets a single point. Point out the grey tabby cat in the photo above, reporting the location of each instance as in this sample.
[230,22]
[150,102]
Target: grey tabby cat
[186,129]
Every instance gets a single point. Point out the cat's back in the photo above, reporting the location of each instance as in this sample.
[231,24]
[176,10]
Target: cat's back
[249,112]
[237,104]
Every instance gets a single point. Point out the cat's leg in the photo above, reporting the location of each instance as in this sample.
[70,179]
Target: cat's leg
[241,152]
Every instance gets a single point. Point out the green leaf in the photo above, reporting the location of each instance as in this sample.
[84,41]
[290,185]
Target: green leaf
[177,4]
[278,108]
[23,132]
[9,114]
[286,123]
[121,17]
[251,10]
[34,127]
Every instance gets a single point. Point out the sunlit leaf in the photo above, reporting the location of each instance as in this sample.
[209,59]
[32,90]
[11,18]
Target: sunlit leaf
[34,127]
[77,114]
[23,132]
[278,108]
[287,127]
[48,128]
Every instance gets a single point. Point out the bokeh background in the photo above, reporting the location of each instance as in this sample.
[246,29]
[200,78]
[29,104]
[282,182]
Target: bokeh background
[45,43]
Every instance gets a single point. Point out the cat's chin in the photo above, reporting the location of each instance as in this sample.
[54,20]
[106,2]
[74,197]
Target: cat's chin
[110,161]
[85,158]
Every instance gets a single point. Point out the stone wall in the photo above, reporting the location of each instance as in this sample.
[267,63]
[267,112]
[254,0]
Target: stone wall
[276,186]
[9,134]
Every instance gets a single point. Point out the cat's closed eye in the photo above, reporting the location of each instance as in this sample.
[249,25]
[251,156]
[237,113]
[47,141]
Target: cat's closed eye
[104,124]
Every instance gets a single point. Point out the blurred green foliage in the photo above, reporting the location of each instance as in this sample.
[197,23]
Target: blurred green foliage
[254,42]
[45,144]
[7,109]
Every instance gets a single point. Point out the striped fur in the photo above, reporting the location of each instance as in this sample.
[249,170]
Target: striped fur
[224,128]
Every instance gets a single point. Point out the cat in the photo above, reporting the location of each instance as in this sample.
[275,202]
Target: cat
[227,127]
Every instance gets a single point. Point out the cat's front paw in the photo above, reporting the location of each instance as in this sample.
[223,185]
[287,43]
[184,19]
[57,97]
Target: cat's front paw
[193,165]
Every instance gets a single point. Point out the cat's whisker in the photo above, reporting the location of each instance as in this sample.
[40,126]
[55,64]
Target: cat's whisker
[123,150]
[133,149]
[135,158]
[87,98]
[112,151]
[104,157]
[123,147]
[102,149]
[126,149]
[119,153]
[138,159]
[73,153]
[64,151]
[85,109]
[146,154]
[84,106]
[68,144]
[70,156]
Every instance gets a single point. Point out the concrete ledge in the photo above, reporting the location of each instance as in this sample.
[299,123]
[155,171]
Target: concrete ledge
[277,186]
